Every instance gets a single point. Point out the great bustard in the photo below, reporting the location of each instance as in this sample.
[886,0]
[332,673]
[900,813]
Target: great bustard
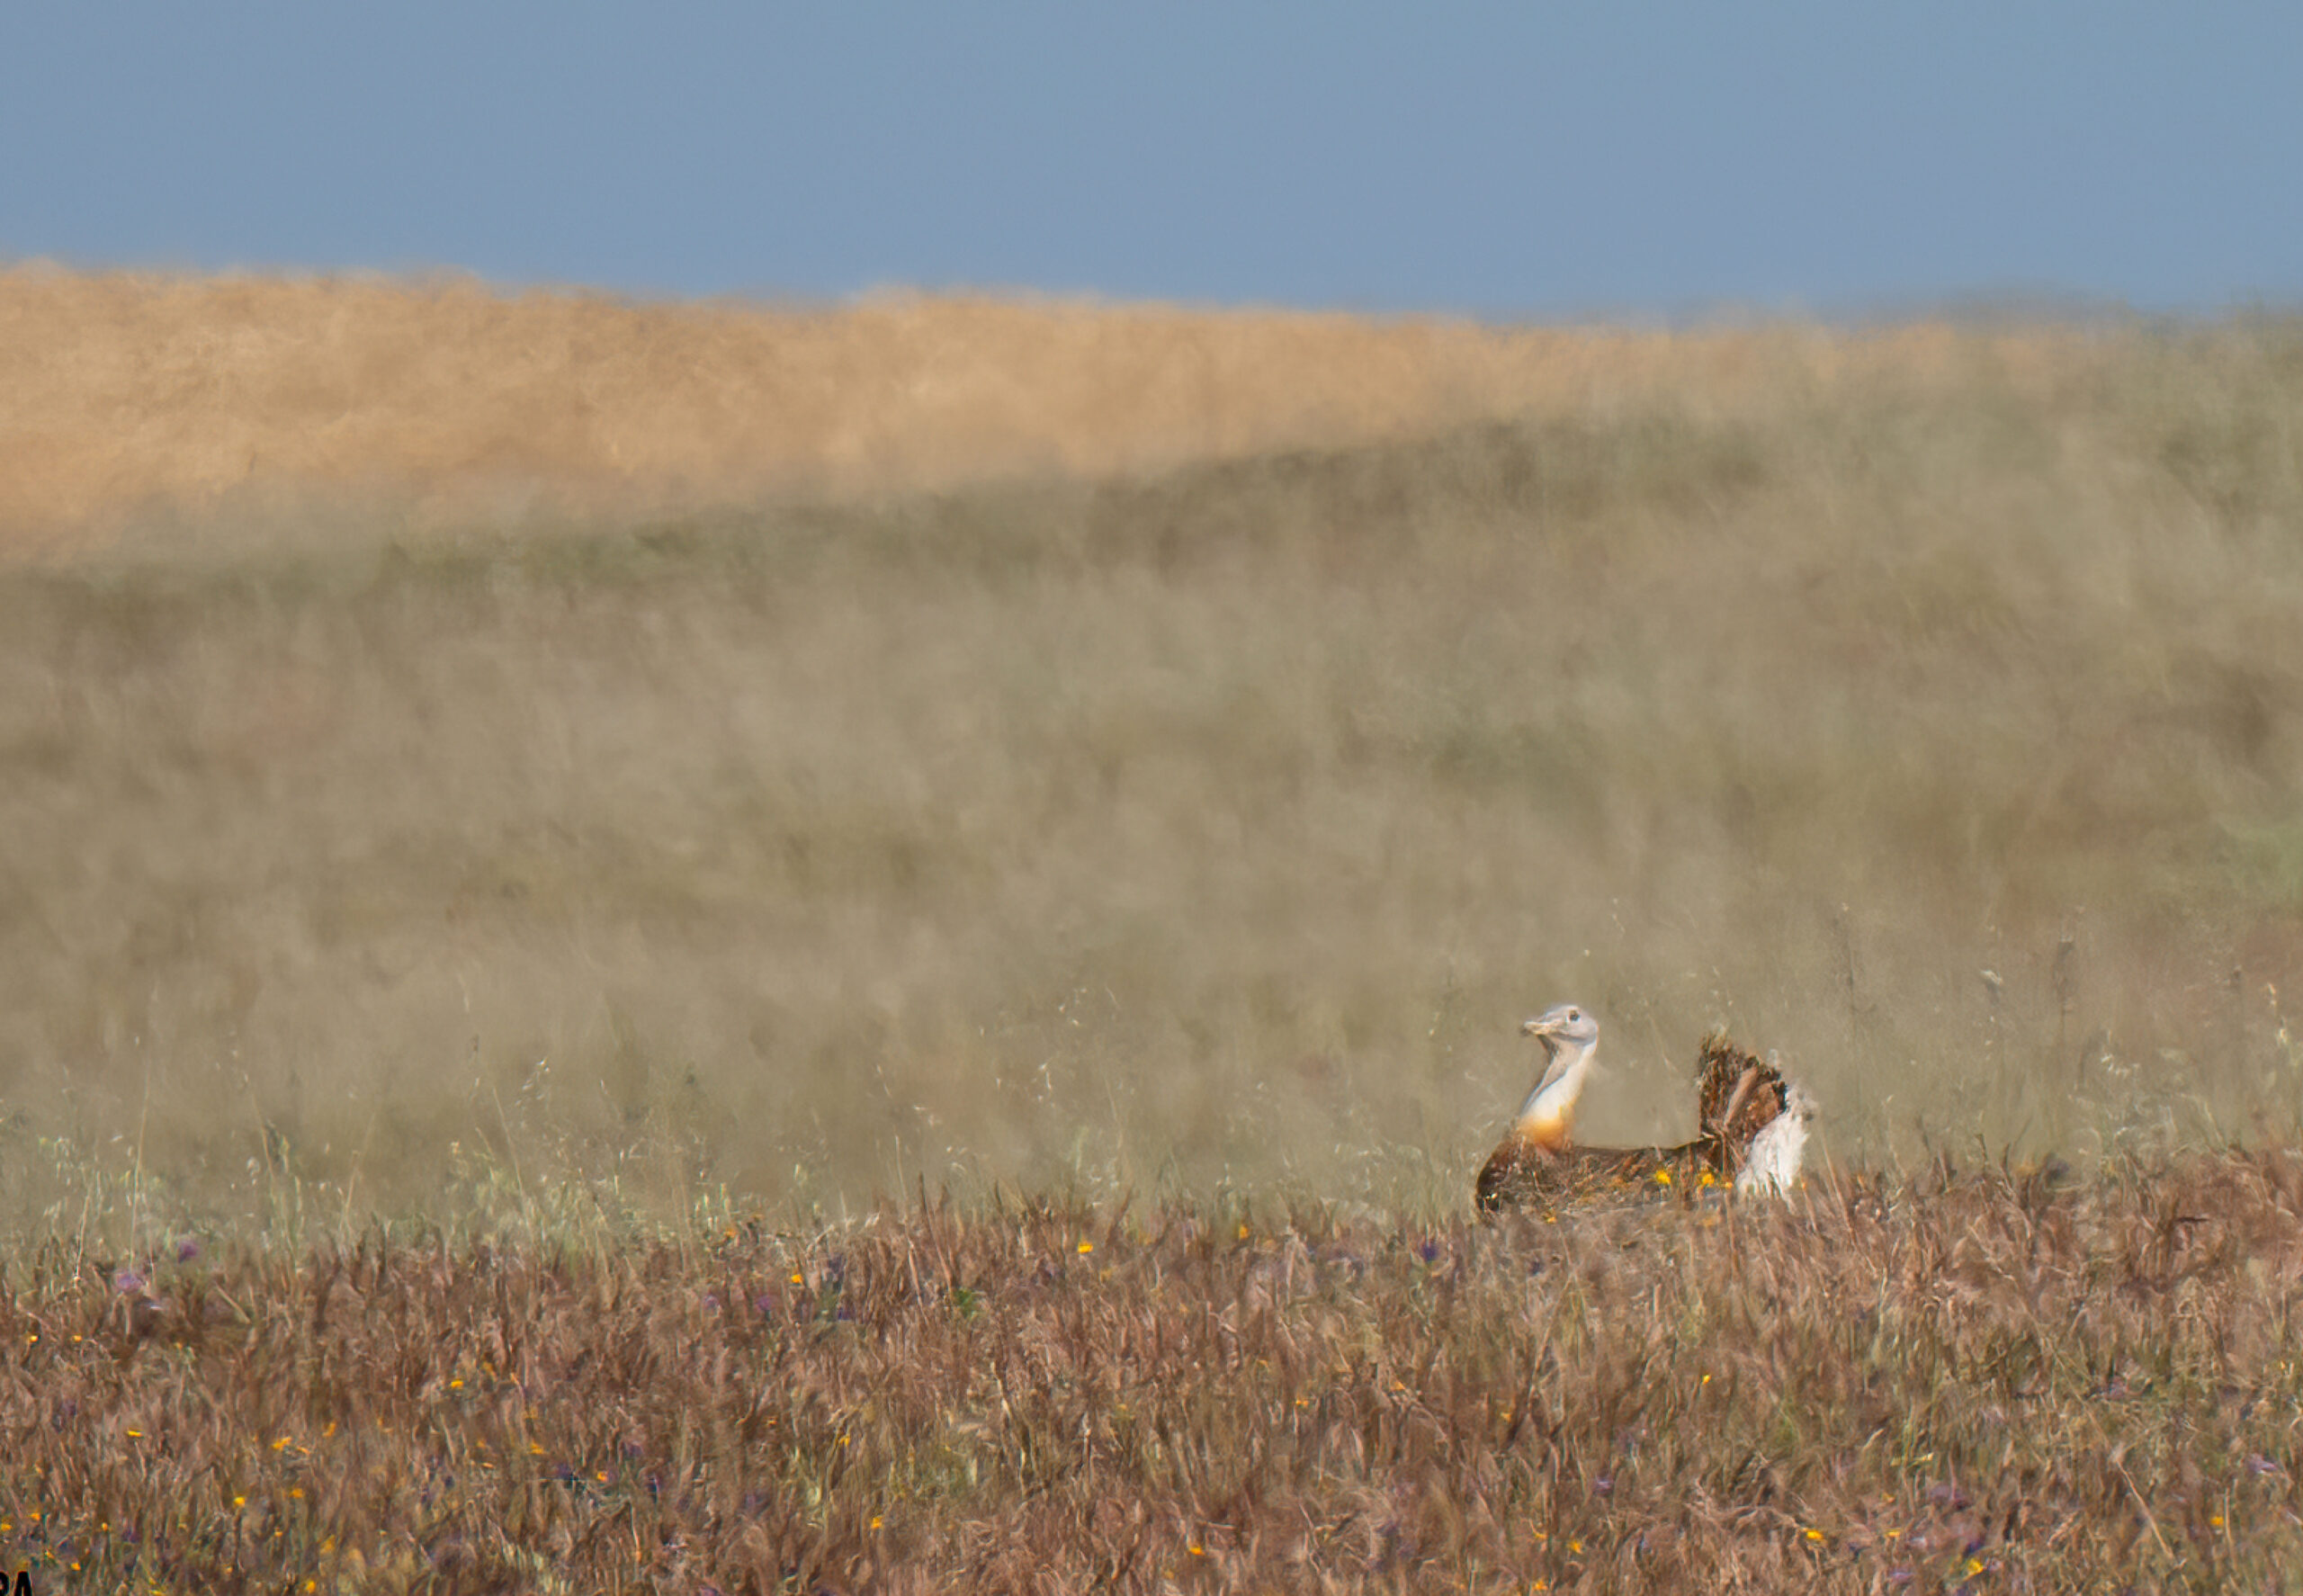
[1751,1125]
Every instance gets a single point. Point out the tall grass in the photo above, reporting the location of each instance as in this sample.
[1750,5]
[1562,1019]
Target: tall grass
[1913,1384]
[1211,828]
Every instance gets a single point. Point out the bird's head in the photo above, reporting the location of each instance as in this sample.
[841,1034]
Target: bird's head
[1565,1028]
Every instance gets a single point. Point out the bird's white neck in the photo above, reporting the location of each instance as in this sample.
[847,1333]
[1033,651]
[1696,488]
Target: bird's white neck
[1545,1117]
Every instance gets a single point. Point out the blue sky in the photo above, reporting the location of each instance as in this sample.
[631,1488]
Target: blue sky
[1529,161]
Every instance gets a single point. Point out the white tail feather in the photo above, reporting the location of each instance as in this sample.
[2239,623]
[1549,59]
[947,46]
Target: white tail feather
[1777,1152]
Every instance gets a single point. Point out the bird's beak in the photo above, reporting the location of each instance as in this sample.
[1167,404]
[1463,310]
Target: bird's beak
[1537,1027]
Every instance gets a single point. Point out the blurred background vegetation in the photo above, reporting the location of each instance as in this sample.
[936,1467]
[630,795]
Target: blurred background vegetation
[1210,824]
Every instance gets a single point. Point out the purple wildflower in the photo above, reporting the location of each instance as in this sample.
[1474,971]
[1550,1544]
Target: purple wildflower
[187,1250]
[126,1280]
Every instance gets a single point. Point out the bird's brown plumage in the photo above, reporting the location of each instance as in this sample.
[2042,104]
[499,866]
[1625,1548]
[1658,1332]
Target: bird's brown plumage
[1737,1095]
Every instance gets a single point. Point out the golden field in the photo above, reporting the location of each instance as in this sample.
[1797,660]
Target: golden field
[134,398]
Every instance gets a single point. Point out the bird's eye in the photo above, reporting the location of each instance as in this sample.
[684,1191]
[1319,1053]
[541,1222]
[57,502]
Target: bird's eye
[1575,1014]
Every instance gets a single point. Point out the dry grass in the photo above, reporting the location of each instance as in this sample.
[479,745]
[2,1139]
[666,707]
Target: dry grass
[1132,755]
[1914,1385]
[257,407]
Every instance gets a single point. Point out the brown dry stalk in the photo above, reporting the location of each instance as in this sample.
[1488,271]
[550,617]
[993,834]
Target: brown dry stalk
[1873,1382]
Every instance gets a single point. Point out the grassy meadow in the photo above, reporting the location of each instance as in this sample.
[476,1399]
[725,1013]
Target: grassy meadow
[1972,1382]
[1048,843]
